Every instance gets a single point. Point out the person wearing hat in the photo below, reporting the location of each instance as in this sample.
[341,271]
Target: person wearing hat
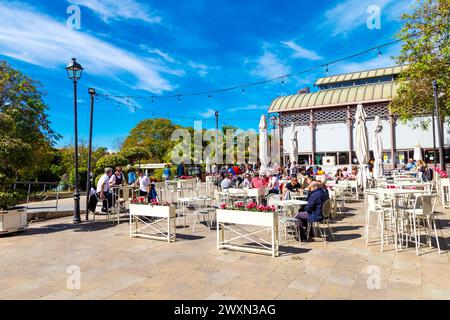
[313,209]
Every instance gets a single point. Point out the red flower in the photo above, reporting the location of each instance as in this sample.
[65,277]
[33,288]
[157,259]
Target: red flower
[223,206]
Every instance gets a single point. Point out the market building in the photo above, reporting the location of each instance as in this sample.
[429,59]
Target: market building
[326,126]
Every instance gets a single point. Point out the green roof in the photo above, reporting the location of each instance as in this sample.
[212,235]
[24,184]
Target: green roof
[344,96]
[360,75]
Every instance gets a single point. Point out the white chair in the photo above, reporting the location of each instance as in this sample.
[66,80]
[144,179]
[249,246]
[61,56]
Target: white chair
[287,220]
[422,218]
[273,199]
[373,206]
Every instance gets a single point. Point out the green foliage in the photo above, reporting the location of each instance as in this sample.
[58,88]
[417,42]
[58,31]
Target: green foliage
[426,49]
[21,99]
[82,178]
[8,200]
[111,161]
[157,173]
[135,154]
[154,135]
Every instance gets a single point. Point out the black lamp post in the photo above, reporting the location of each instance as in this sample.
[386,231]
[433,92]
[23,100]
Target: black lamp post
[74,71]
[88,184]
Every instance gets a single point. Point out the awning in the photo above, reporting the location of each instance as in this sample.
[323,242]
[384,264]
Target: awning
[361,75]
[371,93]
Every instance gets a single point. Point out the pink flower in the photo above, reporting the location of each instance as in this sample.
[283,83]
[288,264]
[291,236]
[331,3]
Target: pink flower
[223,206]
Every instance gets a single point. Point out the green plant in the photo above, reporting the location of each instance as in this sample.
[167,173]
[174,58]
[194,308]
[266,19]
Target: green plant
[8,200]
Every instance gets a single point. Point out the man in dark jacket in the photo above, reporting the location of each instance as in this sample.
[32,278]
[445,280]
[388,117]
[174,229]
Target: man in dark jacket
[313,210]
[180,170]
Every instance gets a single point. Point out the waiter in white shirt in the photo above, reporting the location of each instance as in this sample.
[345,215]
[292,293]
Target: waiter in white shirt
[103,190]
[143,182]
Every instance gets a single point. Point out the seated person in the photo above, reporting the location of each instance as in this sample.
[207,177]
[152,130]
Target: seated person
[257,181]
[293,186]
[411,165]
[345,173]
[339,175]
[247,182]
[227,182]
[274,184]
[313,210]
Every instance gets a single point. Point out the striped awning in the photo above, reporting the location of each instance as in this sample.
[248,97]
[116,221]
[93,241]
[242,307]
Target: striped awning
[361,75]
[345,96]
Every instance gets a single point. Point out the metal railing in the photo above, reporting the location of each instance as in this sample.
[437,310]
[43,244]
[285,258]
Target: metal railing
[39,192]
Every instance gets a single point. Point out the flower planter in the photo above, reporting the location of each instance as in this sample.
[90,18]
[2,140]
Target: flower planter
[163,224]
[13,220]
[235,221]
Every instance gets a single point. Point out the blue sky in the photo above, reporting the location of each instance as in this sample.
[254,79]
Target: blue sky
[160,47]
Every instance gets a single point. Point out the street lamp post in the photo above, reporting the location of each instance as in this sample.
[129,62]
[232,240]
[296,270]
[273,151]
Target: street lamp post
[439,127]
[74,71]
[88,183]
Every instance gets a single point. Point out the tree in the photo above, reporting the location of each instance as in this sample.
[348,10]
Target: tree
[426,51]
[134,154]
[22,100]
[111,161]
[154,135]
[14,155]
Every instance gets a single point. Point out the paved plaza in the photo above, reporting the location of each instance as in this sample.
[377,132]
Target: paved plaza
[37,264]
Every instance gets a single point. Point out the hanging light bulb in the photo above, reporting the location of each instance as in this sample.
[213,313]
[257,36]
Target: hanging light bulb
[379,52]
[135,109]
[128,99]
[179,99]
[209,96]
[326,71]
[243,90]
[153,99]
[282,82]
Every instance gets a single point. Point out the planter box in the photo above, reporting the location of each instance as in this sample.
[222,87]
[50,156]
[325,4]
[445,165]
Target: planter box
[13,220]
[235,220]
[188,183]
[164,224]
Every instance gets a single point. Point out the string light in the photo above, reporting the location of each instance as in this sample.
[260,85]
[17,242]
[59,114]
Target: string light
[282,82]
[379,52]
[153,99]
[209,96]
[326,71]
[282,77]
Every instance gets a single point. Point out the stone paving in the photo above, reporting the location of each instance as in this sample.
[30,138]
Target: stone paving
[34,265]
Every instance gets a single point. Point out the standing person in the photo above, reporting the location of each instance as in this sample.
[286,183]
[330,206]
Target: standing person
[422,171]
[152,194]
[345,173]
[103,189]
[274,184]
[143,182]
[198,171]
[167,174]
[117,179]
[131,176]
[214,169]
[180,170]
[293,170]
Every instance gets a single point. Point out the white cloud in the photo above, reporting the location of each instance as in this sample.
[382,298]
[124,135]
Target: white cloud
[250,107]
[44,41]
[300,52]
[208,113]
[351,14]
[119,10]
[270,66]
[202,69]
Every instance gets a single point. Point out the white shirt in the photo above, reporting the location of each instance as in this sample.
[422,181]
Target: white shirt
[143,183]
[112,180]
[104,180]
[274,183]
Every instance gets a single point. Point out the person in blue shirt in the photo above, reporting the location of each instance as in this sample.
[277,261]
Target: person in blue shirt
[180,170]
[411,165]
[313,210]
[166,173]
[131,177]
